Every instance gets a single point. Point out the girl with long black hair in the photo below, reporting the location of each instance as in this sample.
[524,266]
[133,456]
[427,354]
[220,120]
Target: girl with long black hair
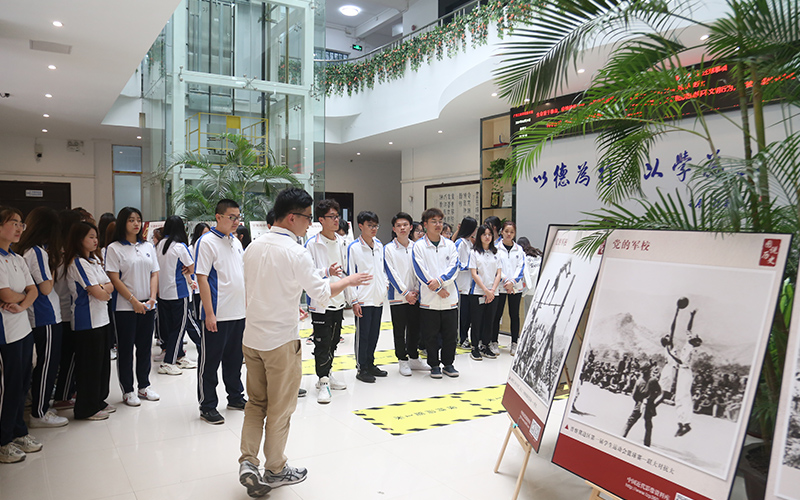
[40,248]
[465,239]
[485,273]
[174,290]
[90,289]
[132,266]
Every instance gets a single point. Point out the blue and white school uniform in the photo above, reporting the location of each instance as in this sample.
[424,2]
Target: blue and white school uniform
[173,297]
[486,265]
[220,257]
[405,317]
[65,384]
[90,324]
[16,350]
[361,258]
[45,317]
[463,279]
[513,263]
[135,263]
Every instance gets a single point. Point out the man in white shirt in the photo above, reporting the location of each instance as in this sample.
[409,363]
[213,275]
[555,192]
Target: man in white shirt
[277,270]
[327,250]
[436,265]
[220,274]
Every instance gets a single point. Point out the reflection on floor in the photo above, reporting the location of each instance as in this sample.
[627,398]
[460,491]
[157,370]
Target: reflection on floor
[162,450]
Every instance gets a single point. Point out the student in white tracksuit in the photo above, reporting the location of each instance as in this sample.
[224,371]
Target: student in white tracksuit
[436,265]
[403,295]
[365,255]
[328,251]
[512,258]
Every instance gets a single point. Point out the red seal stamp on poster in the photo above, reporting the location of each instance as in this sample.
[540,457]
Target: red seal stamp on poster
[769,252]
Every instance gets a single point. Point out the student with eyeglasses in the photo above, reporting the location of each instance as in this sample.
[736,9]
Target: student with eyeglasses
[219,267]
[17,294]
[327,250]
[132,266]
[365,255]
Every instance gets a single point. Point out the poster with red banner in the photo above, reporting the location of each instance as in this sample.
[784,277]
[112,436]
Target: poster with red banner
[670,362]
[784,466]
[564,285]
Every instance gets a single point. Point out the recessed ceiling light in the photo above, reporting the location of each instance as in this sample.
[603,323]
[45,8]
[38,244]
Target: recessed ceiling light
[548,104]
[349,10]
[44,130]
[440,131]
[704,37]
[138,136]
[494,94]
[46,115]
[358,154]
[294,149]
[52,66]
[390,142]
[581,71]
[58,24]
[48,95]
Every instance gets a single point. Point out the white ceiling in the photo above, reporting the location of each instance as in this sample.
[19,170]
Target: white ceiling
[109,38]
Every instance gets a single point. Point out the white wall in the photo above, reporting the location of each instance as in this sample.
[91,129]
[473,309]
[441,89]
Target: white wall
[375,186]
[453,160]
[18,163]
[419,14]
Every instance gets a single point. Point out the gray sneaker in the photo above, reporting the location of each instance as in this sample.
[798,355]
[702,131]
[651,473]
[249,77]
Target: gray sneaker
[252,480]
[289,475]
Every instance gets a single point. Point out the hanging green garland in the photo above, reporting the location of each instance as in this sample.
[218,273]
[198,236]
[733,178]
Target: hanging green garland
[350,77]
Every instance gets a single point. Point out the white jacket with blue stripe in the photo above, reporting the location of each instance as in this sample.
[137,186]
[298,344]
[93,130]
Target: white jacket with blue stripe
[440,263]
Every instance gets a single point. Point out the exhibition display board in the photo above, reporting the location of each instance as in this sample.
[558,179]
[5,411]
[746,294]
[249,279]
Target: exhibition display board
[564,286]
[670,362]
[784,471]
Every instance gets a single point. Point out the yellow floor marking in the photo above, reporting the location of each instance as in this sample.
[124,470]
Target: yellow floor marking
[346,329]
[348,362]
[438,411]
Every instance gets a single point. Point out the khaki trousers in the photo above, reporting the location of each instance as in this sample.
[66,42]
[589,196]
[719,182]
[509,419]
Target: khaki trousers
[273,379]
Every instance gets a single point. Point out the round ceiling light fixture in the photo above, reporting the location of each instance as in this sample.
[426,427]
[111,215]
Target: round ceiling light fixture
[349,10]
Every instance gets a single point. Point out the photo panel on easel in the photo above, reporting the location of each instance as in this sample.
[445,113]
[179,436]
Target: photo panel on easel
[565,283]
[784,467]
[670,362]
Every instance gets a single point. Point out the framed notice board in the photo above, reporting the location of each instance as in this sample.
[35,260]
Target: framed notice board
[457,200]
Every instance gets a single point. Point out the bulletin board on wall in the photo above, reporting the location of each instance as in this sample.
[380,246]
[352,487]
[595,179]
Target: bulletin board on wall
[456,200]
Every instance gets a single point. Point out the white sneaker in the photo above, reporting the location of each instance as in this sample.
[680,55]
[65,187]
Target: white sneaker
[186,364]
[495,348]
[148,394]
[324,393]
[160,356]
[169,369]
[513,348]
[113,353]
[418,364]
[10,454]
[336,384]
[49,419]
[131,399]
[27,444]
[405,370]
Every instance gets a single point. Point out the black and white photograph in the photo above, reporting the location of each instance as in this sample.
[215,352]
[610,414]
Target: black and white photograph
[668,356]
[784,473]
[560,298]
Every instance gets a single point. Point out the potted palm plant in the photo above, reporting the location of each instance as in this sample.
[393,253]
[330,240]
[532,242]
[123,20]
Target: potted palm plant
[631,103]
[249,175]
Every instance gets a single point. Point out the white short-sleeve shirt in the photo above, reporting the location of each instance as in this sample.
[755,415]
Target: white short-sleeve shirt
[46,310]
[134,263]
[220,258]
[487,263]
[172,283]
[14,274]
[88,312]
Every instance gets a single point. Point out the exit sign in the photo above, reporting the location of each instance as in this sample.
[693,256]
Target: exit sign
[358,47]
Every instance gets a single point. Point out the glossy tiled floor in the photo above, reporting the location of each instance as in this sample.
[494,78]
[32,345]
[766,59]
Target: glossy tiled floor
[162,450]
